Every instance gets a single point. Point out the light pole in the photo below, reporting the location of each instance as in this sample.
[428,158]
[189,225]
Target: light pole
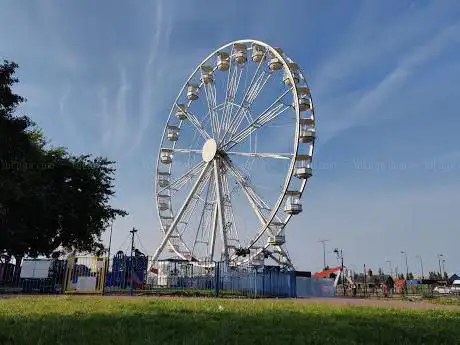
[439,262]
[391,267]
[407,270]
[407,266]
[339,254]
[324,252]
[107,266]
[421,265]
[133,232]
[444,267]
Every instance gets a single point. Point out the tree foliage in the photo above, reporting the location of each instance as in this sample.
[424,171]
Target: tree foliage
[438,276]
[49,199]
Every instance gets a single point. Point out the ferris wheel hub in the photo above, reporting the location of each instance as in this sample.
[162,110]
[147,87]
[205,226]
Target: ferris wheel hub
[209,150]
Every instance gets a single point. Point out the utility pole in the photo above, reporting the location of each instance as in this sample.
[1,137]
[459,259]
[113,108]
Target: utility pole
[133,232]
[407,270]
[110,240]
[421,265]
[108,257]
[439,262]
[339,254]
[324,252]
[365,285]
[391,267]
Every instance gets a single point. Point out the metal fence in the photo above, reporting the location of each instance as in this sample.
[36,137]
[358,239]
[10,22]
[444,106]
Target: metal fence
[122,274]
[315,287]
[411,290]
[33,276]
[138,274]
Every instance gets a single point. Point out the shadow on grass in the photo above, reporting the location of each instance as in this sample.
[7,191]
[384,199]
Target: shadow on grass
[153,326]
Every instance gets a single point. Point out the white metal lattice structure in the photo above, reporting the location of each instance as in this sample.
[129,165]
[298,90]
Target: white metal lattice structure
[244,96]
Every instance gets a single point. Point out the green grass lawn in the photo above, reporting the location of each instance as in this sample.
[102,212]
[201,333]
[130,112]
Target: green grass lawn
[445,300]
[94,320]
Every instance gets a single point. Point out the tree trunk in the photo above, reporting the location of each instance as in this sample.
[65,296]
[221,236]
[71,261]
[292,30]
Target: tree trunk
[17,269]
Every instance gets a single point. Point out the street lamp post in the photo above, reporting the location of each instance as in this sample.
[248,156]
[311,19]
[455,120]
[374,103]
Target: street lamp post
[444,267]
[324,252]
[421,265]
[407,270]
[107,266]
[391,267]
[133,232]
[339,254]
[439,262]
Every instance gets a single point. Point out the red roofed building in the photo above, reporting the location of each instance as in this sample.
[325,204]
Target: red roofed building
[327,273]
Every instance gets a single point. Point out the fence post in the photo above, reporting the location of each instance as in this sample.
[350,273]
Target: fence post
[255,283]
[217,278]
[104,274]
[292,284]
[263,282]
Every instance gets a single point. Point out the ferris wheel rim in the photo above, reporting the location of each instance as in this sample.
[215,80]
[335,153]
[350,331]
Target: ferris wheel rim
[290,171]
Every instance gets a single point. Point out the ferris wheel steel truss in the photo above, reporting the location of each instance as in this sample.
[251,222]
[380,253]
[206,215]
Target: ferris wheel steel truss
[226,126]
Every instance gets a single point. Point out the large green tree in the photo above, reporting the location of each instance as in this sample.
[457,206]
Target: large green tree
[50,200]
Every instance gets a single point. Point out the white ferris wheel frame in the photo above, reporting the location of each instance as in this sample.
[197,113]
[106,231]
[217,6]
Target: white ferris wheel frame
[269,50]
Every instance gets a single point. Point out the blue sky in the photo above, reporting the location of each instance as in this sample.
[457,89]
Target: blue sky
[101,77]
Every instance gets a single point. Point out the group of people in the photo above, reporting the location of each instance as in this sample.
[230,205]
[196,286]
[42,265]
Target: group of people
[386,290]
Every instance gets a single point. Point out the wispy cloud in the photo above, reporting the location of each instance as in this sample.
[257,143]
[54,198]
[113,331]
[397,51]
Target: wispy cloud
[156,73]
[372,104]
[107,88]
[117,130]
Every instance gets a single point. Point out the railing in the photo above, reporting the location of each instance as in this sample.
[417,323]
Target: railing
[11,280]
[136,275]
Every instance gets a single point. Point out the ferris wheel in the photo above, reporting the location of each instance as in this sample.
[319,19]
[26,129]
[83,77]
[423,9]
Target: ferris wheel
[235,156]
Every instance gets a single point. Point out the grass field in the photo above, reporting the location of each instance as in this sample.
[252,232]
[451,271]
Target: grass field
[96,320]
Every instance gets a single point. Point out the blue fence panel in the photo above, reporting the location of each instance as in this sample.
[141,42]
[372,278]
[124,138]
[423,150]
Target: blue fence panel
[314,287]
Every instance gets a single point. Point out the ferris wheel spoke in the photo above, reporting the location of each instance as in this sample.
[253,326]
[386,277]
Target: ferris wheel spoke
[201,236]
[191,210]
[251,93]
[257,203]
[184,178]
[195,201]
[181,212]
[186,219]
[186,150]
[268,115]
[215,113]
[254,199]
[197,124]
[233,81]
[254,89]
[210,93]
[283,253]
[262,155]
[229,215]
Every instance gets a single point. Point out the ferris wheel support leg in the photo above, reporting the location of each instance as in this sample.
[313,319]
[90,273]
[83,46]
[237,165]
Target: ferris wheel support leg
[180,213]
[214,230]
[220,205]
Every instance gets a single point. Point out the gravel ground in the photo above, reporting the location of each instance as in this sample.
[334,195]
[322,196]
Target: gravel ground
[383,303]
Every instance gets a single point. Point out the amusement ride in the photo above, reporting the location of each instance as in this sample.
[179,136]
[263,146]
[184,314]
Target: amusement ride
[235,157]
